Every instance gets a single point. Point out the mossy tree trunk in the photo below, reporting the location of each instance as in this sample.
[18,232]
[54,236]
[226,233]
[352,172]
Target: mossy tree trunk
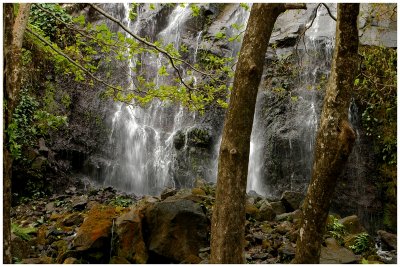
[335,137]
[14,28]
[228,220]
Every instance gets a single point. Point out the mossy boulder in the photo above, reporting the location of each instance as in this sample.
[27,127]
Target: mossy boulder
[93,238]
[352,224]
[129,243]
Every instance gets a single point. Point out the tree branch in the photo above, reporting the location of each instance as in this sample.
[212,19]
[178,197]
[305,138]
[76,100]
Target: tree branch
[295,6]
[171,58]
[73,62]
[329,11]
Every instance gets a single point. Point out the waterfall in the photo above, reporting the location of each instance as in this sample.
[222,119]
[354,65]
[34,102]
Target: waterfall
[282,144]
[141,138]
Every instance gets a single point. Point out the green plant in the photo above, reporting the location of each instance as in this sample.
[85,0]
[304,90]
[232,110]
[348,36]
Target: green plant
[362,243]
[21,131]
[29,123]
[50,24]
[23,232]
[335,229]
[121,201]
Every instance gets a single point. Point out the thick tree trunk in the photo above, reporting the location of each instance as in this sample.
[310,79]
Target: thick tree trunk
[335,137]
[228,220]
[13,36]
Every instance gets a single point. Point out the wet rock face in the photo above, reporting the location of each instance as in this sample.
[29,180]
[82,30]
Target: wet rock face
[175,231]
[194,155]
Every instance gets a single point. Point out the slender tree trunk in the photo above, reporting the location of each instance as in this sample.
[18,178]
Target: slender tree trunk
[228,220]
[13,36]
[335,136]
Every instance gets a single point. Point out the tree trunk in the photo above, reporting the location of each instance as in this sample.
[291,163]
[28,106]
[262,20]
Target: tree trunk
[228,220]
[13,36]
[335,137]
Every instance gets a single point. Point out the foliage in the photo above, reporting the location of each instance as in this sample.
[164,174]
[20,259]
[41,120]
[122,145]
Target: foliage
[121,201]
[362,243]
[335,229]
[376,87]
[52,26]
[21,131]
[377,96]
[23,232]
[29,123]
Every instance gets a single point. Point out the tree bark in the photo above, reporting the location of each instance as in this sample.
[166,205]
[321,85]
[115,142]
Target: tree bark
[14,29]
[335,137]
[228,220]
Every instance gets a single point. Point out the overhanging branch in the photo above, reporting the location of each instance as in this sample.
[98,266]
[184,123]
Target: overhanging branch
[171,58]
[73,62]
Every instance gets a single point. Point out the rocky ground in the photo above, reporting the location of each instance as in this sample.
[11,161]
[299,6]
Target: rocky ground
[105,226]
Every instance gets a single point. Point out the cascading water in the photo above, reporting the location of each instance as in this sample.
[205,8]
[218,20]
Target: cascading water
[140,138]
[281,153]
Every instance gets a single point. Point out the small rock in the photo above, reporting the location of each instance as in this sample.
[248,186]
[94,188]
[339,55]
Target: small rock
[79,202]
[389,239]
[287,251]
[253,194]
[290,216]
[73,219]
[204,249]
[38,163]
[71,260]
[41,260]
[43,149]
[198,192]
[167,192]
[260,256]
[119,260]
[284,227]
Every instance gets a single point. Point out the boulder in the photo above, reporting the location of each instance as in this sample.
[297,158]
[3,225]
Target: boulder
[335,254]
[292,200]
[129,243]
[278,207]
[251,210]
[175,231]
[389,239]
[352,224]
[94,235]
[266,212]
